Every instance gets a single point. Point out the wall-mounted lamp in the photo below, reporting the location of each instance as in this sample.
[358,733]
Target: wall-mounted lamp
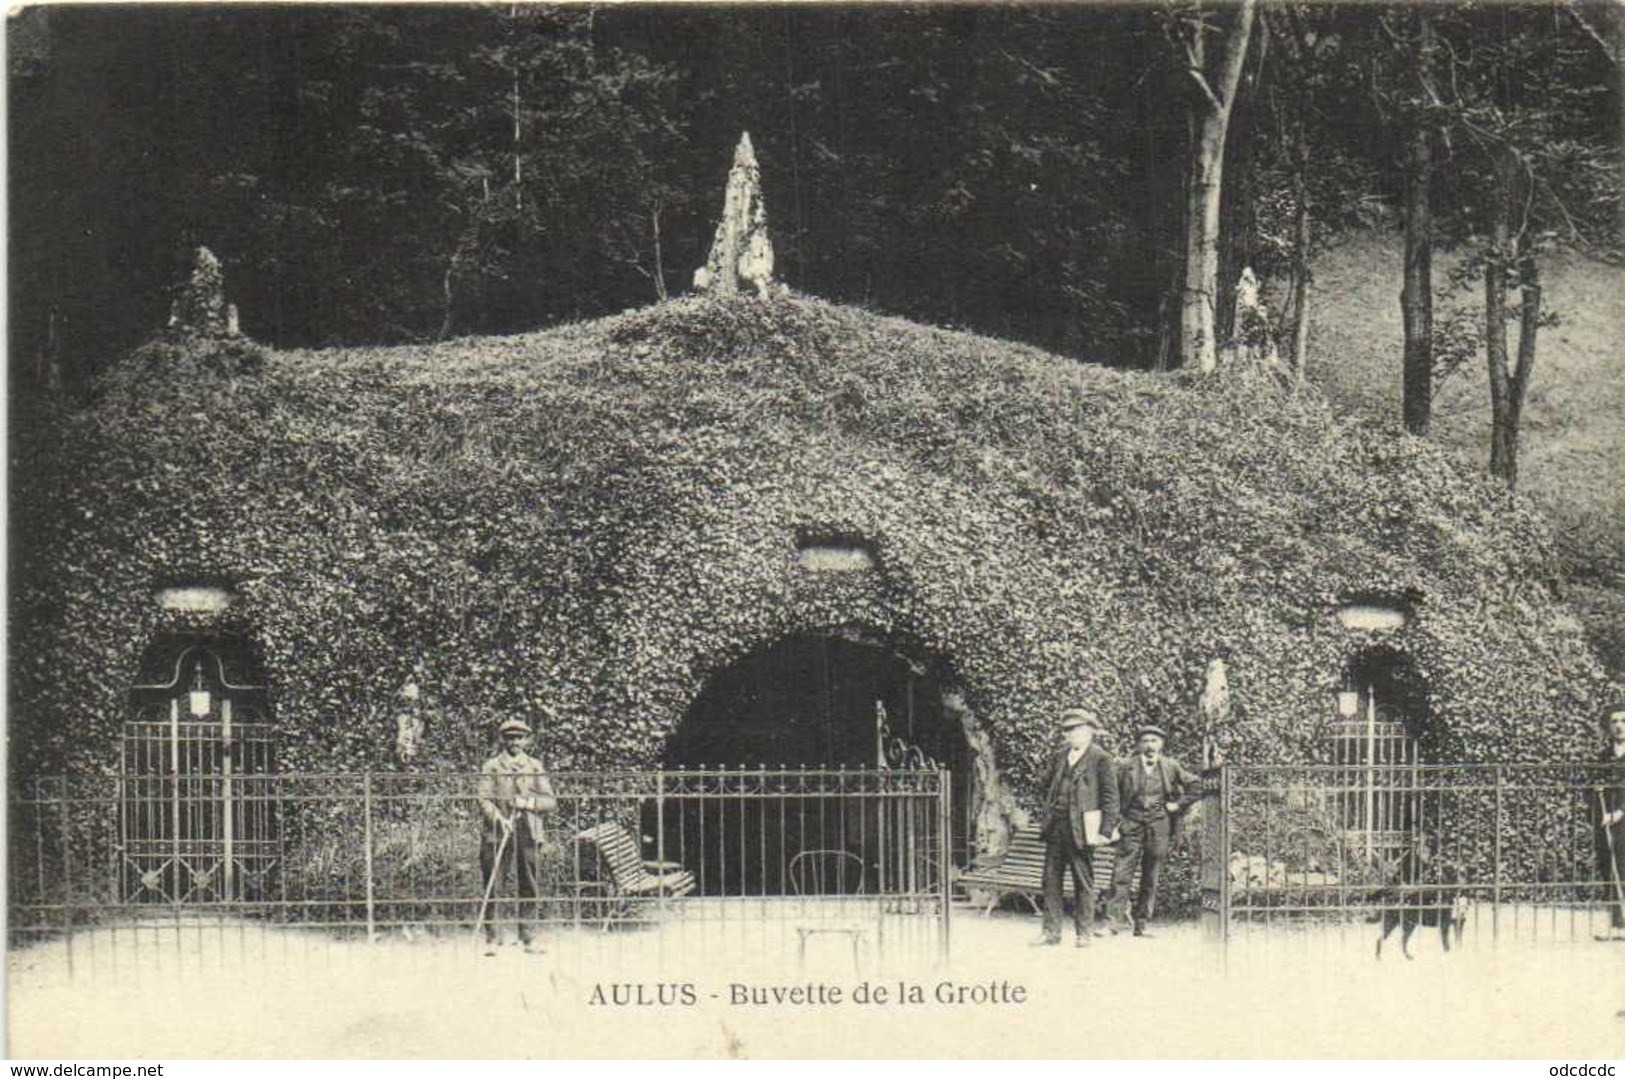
[831,550]
[1374,616]
[198,700]
[1348,702]
[833,558]
[195,598]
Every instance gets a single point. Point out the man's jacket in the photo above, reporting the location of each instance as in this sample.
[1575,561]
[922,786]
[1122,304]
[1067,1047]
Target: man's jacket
[1168,781]
[515,787]
[1609,795]
[1090,784]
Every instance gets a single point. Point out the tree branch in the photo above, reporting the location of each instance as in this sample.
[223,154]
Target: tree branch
[1568,219]
[1528,203]
[1235,52]
[1591,31]
[1207,91]
[1388,32]
[1263,42]
[1193,68]
[1049,77]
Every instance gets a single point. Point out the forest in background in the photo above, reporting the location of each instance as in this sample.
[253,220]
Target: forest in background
[1044,173]
[379,174]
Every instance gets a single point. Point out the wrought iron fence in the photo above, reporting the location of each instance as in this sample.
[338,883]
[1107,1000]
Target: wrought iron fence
[1484,851]
[371,854]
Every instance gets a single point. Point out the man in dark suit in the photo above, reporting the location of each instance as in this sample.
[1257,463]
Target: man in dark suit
[1155,790]
[1080,808]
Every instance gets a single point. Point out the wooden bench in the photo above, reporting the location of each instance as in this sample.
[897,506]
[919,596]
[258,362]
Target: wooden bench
[610,862]
[1020,871]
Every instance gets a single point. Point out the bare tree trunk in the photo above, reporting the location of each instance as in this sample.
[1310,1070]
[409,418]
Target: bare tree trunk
[1165,346]
[50,356]
[1298,343]
[1518,385]
[1416,298]
[1198,315]
[1502,452]
[1300,329]
[1238,197]
[660,265]
[446,298]
[1198,319]
[518,175]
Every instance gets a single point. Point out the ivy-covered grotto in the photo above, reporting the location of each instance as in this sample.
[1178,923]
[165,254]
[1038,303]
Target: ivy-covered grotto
[739,529]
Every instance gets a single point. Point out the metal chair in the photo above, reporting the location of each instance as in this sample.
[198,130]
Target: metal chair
[827,872]
[833,873]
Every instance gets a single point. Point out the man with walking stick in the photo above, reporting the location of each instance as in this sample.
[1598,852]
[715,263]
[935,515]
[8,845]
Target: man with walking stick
[513,794]
[1609,812]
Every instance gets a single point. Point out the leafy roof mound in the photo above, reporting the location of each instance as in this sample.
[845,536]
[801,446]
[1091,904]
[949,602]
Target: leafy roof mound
[588,521]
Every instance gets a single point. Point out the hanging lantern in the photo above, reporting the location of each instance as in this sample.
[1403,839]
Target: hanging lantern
[1348,702]
[198,701]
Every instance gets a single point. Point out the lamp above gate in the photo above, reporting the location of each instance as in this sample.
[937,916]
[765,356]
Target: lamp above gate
[198,700]
[1348,702]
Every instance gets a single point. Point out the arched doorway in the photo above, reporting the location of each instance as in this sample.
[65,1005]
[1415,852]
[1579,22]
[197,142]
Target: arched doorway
[821,702]
[198,811]
[1377,737]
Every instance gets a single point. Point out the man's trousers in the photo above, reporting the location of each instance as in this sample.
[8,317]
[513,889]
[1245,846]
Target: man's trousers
[1061,855]
[1143,846]
[1611,870]
[521,855]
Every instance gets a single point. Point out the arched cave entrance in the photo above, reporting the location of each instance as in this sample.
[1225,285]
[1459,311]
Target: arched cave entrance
[809,701]
[1381,735]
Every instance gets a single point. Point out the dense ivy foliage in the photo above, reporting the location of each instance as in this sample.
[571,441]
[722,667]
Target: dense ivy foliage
[581,525]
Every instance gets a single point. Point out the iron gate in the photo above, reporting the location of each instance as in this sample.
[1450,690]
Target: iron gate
[746,858]
[1513,848]
[197,812]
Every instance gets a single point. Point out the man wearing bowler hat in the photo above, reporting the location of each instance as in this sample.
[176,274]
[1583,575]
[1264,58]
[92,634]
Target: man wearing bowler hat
[1080,808]
[1155,790]
[513,794]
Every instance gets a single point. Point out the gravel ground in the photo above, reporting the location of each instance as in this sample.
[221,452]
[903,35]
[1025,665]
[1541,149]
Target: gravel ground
[201,990]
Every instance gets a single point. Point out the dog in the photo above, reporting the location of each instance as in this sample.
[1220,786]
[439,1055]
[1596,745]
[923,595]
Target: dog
[1410,904]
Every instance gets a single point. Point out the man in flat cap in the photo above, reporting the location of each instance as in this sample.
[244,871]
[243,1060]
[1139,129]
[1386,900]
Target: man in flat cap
[1080,809]
[513,793]
[1155,789]
[1609,814]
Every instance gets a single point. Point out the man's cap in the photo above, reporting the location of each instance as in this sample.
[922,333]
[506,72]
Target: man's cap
[513,726]
[1079,717]
[1151,728]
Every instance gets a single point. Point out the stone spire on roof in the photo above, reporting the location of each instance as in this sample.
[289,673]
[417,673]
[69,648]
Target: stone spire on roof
[741,254]
[200,305]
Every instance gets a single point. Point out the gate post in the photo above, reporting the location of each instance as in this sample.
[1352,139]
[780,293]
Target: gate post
[1500,824]
[660,822]
[1224,855]
[945,870]
[1215,868]
[366,827]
